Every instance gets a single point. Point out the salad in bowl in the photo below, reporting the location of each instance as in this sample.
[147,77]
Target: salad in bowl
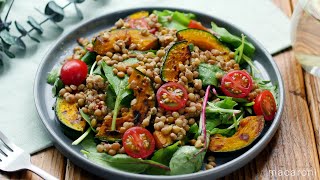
[159,93]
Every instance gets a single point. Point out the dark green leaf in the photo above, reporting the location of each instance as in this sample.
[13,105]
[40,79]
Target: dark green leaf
[78,11]
[87,118]
[225,132]
[164,155]
[89,58]
[20,28]
[89,144]
[57,86]
[55,11]
[7,37]
[235,41]
[120,87]
[34,39]
[227,103]
[53,75]
[19,43]
[207,74]
[111,97]
[186,160]
[35,24]
[194,128]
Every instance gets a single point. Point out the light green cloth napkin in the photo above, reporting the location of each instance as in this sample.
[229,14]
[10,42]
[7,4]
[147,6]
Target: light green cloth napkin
[19,119]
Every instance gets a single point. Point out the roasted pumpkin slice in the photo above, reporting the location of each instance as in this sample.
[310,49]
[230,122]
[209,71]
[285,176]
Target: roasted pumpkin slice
[70,119]
[144,93]
[176,55]
[249,129]
[161,139]
[104,43]
[139,15]
[203,39]
[104,133]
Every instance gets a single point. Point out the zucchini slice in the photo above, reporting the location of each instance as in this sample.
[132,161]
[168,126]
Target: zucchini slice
[176,55]
[70,119]
[249,129]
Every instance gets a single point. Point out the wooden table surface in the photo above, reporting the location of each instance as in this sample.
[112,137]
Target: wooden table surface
[293,153]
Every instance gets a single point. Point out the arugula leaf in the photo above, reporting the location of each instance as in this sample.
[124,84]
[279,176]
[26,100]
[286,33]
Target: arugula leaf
[227,131]
[187,159]
[235,41]
[120,87]
[239,100]
[263,84]
[207,74]
[53,75]
[224,106]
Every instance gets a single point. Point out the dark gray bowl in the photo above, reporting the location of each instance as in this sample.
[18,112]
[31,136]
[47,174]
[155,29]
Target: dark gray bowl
[63,47]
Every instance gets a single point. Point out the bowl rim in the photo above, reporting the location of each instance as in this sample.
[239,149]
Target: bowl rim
[230,166]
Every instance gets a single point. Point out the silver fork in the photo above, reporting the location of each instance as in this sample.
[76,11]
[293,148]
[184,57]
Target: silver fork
[13,158]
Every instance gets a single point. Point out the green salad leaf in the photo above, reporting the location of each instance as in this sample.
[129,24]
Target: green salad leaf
[178,20]
[165,154]
[86,117]
[120,87]
[187,159]
[207,74]
[235,41]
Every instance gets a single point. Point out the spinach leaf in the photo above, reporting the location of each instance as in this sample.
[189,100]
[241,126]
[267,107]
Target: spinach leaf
[87,119]
[187,159]
[57,86]
[235,41]
[120,87]
[53,75]
[207,74]
[194,128]
[110,98]
[178,20]
[123,162]
[164,155]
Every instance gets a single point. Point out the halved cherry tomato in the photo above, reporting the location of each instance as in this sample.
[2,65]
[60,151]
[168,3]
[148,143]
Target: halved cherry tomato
[236,84]
[138,142]
[265,104]
[172,96]
[74,72]
[196,25]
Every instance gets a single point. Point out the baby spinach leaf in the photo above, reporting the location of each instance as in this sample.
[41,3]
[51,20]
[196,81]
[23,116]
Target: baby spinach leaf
[185,160]
[120,87]
[57,86]
[235,41]
[110,98]
[87,119]
[53,75]
[164,155]
[122,162]
[207,74]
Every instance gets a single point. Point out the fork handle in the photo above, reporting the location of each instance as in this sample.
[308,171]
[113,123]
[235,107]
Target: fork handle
[41,173]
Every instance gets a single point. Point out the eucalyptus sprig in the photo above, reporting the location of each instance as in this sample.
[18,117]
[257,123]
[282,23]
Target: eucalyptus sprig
[52,11]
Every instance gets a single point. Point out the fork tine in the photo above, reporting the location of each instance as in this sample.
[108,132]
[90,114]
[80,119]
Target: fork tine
[5,149]
[7,142]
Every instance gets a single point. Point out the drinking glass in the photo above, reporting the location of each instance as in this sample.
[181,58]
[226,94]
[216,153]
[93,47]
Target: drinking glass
[305,35]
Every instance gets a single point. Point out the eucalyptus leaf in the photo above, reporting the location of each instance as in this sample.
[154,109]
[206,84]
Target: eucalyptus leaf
[9,54]
[19,43]
[78,11]
[56,12]
[34,39]
[77,1]
[20,28]
[7,37]
[35,24]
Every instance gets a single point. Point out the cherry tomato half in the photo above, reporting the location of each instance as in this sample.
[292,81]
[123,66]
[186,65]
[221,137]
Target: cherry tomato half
[265,104]
[172,96]
[74,72]
[196,25]
[138,142]
[236,84]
